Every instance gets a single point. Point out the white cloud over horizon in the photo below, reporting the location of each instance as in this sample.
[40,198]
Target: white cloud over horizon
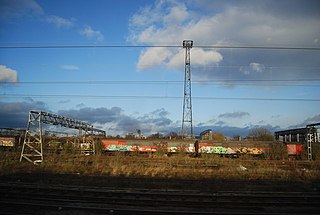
[7,74]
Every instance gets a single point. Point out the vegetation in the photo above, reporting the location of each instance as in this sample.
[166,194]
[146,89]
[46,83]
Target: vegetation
[316,151]
[158,165]
[218,136]
[261,134]
[277,151]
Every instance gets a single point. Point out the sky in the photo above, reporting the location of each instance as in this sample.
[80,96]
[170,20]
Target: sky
[119,64]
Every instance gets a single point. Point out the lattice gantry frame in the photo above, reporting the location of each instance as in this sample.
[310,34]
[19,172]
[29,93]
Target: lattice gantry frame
[32,149]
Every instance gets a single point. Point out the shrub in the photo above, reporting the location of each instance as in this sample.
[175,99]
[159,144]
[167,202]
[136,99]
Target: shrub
[277,151]
[261,134]
[316,151]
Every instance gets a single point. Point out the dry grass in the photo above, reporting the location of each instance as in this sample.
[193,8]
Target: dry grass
[159,166]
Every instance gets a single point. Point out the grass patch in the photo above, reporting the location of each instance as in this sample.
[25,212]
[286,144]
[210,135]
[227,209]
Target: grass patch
[159,166]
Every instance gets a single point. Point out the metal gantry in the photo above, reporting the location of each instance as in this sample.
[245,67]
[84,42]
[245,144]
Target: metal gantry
[32,149]
[308,135]
[187,128]
[312,137]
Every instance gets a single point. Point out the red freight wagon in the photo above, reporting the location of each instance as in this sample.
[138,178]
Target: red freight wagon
[294,149]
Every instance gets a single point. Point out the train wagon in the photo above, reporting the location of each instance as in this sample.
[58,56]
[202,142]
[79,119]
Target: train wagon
[7,141]
[172,147]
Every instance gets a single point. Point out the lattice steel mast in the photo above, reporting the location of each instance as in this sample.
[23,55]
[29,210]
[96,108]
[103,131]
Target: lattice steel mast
[312,137]
[187,128]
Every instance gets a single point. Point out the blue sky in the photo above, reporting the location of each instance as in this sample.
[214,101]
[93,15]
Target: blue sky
[128,88]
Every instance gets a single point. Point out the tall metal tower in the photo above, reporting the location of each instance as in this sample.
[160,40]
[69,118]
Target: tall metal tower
[187,129]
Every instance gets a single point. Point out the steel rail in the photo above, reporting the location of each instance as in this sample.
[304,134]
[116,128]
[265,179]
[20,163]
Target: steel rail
[155,202]
[121,205]
[139,198]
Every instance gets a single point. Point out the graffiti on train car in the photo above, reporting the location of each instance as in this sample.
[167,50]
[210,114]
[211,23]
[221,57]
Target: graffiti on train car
[250,151]
[7,141]
[216,150]
[175,147]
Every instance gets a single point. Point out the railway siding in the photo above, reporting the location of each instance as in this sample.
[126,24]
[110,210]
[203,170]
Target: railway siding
[23,198]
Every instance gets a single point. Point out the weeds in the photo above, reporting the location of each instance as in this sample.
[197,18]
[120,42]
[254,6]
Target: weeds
[177,166]
[277,151]
[316,151]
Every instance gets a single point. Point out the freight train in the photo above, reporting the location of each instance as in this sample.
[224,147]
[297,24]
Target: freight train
[173,147]
[169,147]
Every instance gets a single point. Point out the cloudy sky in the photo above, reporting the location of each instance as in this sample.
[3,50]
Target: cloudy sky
[139,83]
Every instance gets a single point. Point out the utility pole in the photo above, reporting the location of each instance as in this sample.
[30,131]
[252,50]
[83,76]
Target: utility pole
[187,129]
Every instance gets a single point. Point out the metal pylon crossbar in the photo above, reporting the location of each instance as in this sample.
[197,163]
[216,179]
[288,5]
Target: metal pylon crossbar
[32,149]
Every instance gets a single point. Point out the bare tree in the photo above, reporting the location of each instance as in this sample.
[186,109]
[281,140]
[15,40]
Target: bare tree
[262,134]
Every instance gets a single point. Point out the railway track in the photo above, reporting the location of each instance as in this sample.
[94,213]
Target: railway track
[30,198]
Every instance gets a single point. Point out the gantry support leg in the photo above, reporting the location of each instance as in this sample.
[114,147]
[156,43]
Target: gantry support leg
[32,149]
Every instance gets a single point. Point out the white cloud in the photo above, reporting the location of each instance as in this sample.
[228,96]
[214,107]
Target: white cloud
[171,22]
[177,14]
[153,57]
[253,68]
[60,22]
[199,57]
[7,74]
[69,67]
[89,33]
[147,15]
[205,57]
[257,67]
[173,58]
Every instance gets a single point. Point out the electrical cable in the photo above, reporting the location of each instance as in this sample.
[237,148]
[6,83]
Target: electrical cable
[223,82]
[157,97]
[160,46]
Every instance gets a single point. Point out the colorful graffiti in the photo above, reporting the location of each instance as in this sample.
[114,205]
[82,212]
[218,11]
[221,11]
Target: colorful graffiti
[175,147]
[119,148]
[216,150]
[250,151]
[7,141]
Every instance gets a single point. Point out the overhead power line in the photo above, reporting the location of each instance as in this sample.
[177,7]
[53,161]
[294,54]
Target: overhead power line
[158,46]
[155,97]
[159,82]
[253,82]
